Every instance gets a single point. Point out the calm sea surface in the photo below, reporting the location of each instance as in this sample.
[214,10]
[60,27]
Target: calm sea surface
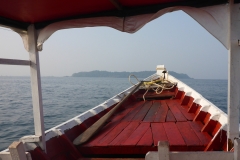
[66,97]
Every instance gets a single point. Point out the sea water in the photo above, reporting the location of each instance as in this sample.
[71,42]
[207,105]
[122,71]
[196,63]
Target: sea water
[66,97]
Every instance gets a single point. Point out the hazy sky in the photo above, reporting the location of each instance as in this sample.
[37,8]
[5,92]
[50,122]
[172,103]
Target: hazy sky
[175,40]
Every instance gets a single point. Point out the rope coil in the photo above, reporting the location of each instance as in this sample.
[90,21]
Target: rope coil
[158,85]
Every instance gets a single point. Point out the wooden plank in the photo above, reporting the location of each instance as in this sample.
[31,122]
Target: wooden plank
[142,112]
[233,72]
[162,112]
[163,150]
[236,148]
[196,125]
[14,62]
[218,141]
[173,135]
[98,125]
[17,151]
[204,137]
[137,107]
[154,96]
[158,132]
[187,115]
[215,155]
[170,117]
[188,134]
[147,139]
[183,109]
[112,134]
[211,127]
[172,102]
[137,134]
[121,115]
[105,130]
[5,156]
[152,112]
[176,112]
[124,134]
[187,101]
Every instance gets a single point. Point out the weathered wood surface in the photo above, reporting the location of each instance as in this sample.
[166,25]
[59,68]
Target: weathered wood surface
[233,72]
[158,133]
[17,151]
[143,111]
[85,136]
[211,155]
[150,116]
[136,135]
[154,96]
[121,138]
[146,123]
[14,62]
[164,154]
[236,149]
[112,135]
[138,126]
[5,156]
[147,139]
[188,134]
[162,111]
[204,137]
[163,150]
[36,86]
[170,117]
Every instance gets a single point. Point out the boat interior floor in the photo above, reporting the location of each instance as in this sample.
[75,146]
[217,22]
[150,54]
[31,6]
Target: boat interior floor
[138,126]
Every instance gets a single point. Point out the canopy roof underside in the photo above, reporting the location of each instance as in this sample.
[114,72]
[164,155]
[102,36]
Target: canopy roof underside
[20,14]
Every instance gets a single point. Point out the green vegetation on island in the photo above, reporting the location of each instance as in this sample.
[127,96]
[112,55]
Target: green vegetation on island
[141,74]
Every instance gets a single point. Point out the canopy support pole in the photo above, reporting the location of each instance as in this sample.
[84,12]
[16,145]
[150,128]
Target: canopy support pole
[36,86]
[233,73]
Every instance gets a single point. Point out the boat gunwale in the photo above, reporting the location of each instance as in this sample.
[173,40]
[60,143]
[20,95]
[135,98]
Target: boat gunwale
[206,106]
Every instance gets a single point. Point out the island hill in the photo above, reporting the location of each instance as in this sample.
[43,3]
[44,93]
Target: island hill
[141,74]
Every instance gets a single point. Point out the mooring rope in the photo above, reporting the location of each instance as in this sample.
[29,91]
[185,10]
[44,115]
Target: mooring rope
[160,84]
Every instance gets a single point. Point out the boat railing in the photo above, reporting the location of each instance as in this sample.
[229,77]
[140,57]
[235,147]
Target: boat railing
[163,153]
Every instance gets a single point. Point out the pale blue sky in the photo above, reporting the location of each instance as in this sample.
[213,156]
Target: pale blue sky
[175,40]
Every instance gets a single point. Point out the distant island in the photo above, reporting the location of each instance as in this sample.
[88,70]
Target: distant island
[141,74]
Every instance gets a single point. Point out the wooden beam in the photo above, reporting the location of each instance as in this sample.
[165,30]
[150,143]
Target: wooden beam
[164,154]
[116,4]
[236,149]
[163,150]
[31,138]
[213,155]
[87,134]
[14,62]
[233,73]
[5,156]
[17,151]
[36,86]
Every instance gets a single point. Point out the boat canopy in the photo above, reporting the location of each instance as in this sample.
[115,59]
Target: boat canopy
[123,15]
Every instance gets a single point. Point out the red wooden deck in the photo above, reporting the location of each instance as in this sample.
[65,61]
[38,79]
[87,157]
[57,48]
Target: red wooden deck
[138,126]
